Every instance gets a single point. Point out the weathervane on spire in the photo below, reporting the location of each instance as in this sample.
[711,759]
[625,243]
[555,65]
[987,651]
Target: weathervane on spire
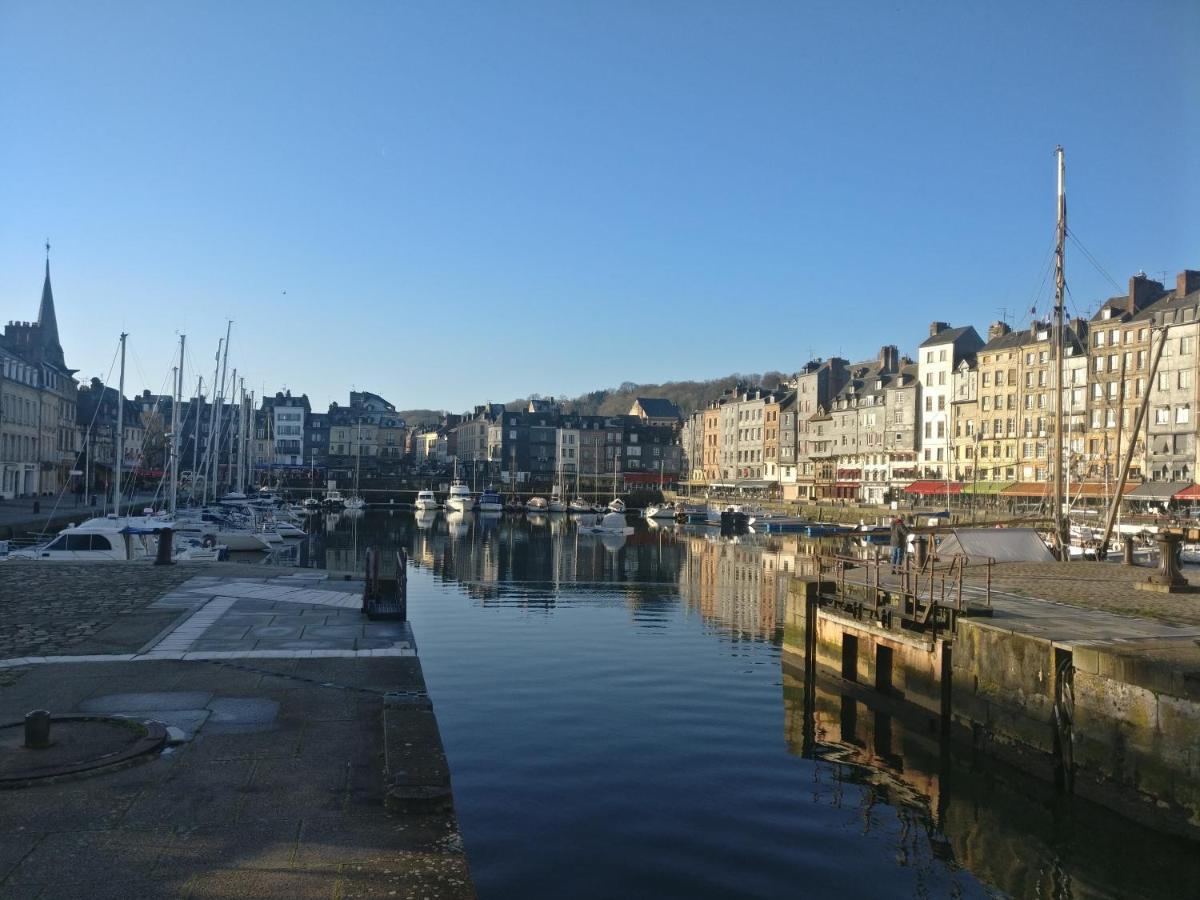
[47,249]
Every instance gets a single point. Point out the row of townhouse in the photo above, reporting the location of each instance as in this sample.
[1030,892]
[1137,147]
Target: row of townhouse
[974,415]
[542,441]
[39,429]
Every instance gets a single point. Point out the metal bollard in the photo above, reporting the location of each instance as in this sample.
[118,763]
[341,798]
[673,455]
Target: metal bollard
[166,546]
[920,550]
[1127,547]
[37,729]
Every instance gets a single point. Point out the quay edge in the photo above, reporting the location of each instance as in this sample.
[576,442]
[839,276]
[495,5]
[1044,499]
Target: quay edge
[1115,720]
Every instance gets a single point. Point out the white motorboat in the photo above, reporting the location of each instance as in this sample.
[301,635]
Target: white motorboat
[311,503]
[425,501]
[108,539]
[578,506]
[355,503]
[616,505]
[334,498]
[609,523]
[490,501]
[660,511]
[537,505]
[288,530]
[460,499]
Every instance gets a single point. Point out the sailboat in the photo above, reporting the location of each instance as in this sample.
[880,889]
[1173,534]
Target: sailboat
[616,504]
[556,504]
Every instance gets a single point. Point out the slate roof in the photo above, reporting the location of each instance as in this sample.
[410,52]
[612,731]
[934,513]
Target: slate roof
[1167,304]
[949,336]
[658,407]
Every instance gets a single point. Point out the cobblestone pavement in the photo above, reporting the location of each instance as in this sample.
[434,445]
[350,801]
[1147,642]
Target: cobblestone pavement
[1098,585]
[60,608]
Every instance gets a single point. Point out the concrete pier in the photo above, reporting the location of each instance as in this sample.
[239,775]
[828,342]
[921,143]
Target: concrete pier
[1106,705]
[305,758]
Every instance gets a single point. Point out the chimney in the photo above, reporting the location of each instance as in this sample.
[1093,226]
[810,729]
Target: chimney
[1186,282]
[1143,291]
[889,356]
[997,330]
[936,328]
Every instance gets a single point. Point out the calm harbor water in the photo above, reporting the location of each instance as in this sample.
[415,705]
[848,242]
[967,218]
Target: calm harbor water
[621,721]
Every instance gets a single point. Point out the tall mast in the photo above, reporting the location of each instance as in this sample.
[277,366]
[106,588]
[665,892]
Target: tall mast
[220,403]
[196,441]
[1061,535]
[176,425]
[120,461]
[234,424]
[212,425]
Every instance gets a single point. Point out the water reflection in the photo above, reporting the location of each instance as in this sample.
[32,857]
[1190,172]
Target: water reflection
[861,784]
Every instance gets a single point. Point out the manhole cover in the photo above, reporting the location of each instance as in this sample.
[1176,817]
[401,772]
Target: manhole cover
[78,745]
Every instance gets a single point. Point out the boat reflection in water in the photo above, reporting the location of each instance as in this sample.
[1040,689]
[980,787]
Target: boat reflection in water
[661,770]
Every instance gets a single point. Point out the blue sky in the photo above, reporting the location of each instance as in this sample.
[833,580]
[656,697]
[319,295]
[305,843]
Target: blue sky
[476,201]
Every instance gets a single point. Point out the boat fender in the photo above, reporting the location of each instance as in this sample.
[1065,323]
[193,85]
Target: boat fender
[208,542]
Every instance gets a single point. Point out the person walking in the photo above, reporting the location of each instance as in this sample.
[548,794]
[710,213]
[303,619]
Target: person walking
[898,542]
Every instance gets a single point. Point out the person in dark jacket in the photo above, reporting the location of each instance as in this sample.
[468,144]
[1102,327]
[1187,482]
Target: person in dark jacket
[899,541]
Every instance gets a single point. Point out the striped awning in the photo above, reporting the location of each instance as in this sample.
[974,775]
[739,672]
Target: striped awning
[932,488]
[1028,489]
[986,487]
[1157,490]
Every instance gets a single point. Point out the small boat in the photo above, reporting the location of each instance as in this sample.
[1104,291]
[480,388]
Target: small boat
[460,499]
[578,506]
[690,513]
[490,501]
[311,503]
[425,502]
[610,523]
[334,498]
[355,503]
[778,524]
[660,511]
[537,505]
[616,505]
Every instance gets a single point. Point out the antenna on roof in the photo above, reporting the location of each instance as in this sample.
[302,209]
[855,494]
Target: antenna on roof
[1004,313]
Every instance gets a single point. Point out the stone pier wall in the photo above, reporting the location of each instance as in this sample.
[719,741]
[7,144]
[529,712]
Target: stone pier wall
[1137,730]
[1003,693]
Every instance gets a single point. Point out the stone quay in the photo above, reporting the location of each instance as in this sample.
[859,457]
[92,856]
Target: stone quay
[1067,671]
[297,752]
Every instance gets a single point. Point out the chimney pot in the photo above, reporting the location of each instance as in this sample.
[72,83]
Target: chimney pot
[936,328]
[1186,282]
[997,330]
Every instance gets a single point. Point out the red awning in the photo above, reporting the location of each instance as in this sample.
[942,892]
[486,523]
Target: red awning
[932,488]
[1188,493]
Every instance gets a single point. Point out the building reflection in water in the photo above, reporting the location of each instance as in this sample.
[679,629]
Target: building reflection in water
[1007,828]
[876,759]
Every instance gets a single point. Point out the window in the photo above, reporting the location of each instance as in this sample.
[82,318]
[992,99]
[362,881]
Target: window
[1185,345]
[1164,381]
[987,379]
[1185,378]
[941,402]
[1161,415]
[1183,414]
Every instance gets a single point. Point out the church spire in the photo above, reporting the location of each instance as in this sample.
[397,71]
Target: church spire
[47,321]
